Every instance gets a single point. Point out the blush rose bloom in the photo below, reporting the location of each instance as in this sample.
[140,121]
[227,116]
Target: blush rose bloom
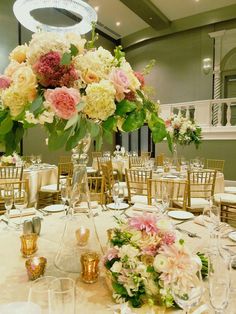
[63,101]
[121,83]
[4,82]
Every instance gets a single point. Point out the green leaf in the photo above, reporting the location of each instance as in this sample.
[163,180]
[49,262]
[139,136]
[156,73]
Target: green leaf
[10,144]
[120,289]
[108,136]
[3,114]
[93,128]
[154,121]
[134,121]
[73,50]
[78,135]
[80,106]
[19,133]
[159,133]
[125,106]
[71,121]
[99,141]
[109,124]
[169,141]
[36,104]
[6,125]
[66,59]
[58,139]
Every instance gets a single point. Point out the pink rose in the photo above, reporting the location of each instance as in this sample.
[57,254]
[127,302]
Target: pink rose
[5,81]
[121,83]
[63,101]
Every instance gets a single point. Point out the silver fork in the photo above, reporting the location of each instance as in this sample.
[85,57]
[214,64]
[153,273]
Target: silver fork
[190,234]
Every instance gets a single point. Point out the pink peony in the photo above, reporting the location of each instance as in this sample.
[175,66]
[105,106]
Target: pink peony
[145,223]
[63,101]
[51,73]
[111,253]
[140,77]
[5,81]
[169,238]
[121,83]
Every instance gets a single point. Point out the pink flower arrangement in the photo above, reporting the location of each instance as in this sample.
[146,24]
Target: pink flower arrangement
[140,77]
[5,81]
[121,83]
[145,223]
[52,73]
[63,101]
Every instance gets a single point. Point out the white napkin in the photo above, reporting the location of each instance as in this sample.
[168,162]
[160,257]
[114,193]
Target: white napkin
[144,208]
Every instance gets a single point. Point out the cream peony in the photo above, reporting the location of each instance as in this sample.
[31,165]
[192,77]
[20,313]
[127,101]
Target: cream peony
[100,100]
[24,80]
[43,43]
[19,53]
[13,67]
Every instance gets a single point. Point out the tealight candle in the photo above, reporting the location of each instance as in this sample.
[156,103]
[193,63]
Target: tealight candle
[82,236]
[90,269]
[35,267]
[28,244]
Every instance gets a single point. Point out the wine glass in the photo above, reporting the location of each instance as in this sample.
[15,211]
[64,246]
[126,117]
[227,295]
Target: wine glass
[188,293]
[38,159]
[165,199]
[20,202]
[8,201]
[65,195]
[115,194]
[219,282]
[211,217]
[33,160]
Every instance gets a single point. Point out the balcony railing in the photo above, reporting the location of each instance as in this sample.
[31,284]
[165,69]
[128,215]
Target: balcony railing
[217,117]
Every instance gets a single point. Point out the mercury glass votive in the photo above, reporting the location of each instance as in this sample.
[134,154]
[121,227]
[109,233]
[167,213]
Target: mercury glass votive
[82,236]
[90,269]
[28,244]
[35,267]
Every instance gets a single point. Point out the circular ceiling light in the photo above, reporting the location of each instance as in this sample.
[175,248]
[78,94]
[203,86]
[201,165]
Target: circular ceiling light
[23,8]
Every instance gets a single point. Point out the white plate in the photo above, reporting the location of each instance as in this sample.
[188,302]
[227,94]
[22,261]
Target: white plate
[170,176]
[232,235]
[54,208]
[121,206]
[20,308]
[180,214]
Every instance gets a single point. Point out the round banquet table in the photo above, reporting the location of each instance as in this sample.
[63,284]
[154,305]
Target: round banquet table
[93,298]
[44,175]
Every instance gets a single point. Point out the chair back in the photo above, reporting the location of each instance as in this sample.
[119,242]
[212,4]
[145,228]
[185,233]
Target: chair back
[96,189]
[145,154]
[177,191]
[136,180]
[108,177]
[64,159]
[201,184]
[228,213]
[215,164]
[13,186]
[10,173]
[65,170]
[136,161]
[103,160]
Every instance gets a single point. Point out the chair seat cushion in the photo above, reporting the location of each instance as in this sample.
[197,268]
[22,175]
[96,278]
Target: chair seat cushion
[230,189]
[139,199]
[52,188]
[199,203]
[225,197]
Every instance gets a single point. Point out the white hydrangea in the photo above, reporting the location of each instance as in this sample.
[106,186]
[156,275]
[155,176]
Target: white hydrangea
[100,100]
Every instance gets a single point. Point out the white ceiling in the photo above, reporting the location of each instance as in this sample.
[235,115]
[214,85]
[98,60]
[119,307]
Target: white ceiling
[112,11]
[176,9]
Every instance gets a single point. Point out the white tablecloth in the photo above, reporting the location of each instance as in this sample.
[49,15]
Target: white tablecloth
[39,177]
[94,298]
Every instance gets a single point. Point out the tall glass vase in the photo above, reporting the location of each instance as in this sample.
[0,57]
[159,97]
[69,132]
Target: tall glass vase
[175,157]
[79,235]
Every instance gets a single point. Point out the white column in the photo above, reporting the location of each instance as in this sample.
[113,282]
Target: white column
[217,74]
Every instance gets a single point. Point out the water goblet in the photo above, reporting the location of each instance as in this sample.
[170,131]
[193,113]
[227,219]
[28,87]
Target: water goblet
[8,201]
[115,194]
[20,203]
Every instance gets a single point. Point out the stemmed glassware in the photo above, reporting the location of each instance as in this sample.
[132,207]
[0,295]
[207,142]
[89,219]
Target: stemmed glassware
[188,294]
[65,195]
[8,201]
[219,282]
[162,199]
[20,202]
[115,194]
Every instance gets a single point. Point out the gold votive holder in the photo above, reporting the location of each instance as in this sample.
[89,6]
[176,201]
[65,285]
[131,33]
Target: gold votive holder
[28,244]
[166,169]
[82,236]
[90,268]
[110,233]
[35,267]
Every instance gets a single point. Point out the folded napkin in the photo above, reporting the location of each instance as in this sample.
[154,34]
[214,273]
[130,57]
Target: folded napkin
[14,213]
[199,220]
[144,208]
[84,205]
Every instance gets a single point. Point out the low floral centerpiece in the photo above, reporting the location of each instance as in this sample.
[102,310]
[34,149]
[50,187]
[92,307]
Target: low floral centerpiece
[64,83]
[183,130]
[10,159]
[145,256]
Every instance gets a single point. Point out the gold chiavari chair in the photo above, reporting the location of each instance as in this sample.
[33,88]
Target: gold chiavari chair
[64,159]
[10,173]
[50,194]
[177,191]
[136,180]
[13,186]
[136,161]
[215,164]
[228,213]
[146,154]
[104,160]
[96,189]
[201,186]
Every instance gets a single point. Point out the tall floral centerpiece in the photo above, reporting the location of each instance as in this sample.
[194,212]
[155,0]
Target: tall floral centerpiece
[182,131]
[71,88]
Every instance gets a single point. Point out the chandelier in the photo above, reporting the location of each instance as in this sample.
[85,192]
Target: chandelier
[23,8]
